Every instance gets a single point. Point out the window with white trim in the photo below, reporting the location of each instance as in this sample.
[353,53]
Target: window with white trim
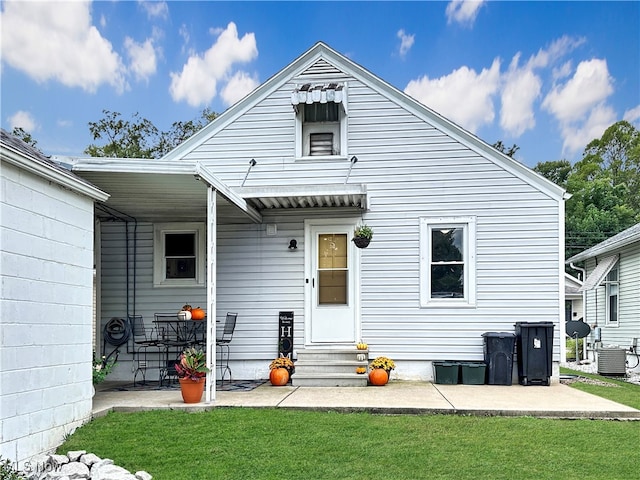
[448,261]
[613,299]
[178,254]
[320,113]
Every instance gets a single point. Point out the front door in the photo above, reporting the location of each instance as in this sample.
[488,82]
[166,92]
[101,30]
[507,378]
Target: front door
[331,284]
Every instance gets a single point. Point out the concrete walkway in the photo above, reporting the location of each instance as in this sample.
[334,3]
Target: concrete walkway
[397,397]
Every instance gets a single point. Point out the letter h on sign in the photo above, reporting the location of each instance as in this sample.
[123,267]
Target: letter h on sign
[285,334]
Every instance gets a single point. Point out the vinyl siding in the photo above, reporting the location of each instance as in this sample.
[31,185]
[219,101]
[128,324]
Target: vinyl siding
[411,170]
[629,315]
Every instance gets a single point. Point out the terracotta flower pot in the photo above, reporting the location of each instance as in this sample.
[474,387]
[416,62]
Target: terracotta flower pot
[378,377]
[279,377]
[191,389]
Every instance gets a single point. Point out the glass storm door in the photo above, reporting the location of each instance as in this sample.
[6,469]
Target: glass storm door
[332,285]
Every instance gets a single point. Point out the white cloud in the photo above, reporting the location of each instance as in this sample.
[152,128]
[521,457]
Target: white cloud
[521,89]
[24,120]
[558,49]
[57,41]
[155,9]
[406,42]
[464,96]
[580,106]
[589,86]
[197,83]
[577,135]
[463,11]
[632,115]
[143,58]
[238,86]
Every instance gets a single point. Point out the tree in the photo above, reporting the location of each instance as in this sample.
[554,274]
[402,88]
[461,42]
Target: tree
[140,138]
[124,139]
[604,184]
[25,136]
[556,170]
[510,152]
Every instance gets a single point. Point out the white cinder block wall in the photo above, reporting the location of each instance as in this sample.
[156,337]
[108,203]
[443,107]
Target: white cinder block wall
[46,268]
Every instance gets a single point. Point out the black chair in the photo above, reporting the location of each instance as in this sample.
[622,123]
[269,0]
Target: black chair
[172,338]
[223,341]
[143,340]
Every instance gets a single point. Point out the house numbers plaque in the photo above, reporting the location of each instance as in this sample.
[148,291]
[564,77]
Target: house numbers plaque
[285,334]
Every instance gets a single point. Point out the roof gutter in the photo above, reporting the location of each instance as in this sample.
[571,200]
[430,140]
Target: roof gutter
[63,179]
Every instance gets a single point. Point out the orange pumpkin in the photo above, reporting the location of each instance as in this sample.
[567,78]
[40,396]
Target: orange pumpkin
[378,377]
[361,370]
[197,314]
[279,377]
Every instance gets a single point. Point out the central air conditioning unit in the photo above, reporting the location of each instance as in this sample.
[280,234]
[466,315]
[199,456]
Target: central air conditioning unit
[612,361]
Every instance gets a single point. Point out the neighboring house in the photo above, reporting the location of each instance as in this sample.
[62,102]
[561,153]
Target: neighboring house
[612,289]
[466,239]
[46,271]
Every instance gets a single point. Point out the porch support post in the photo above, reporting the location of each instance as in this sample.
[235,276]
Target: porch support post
[212,235]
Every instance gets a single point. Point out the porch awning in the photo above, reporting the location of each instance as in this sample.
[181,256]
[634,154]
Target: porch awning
[599,273]
[305,196]
[318,93]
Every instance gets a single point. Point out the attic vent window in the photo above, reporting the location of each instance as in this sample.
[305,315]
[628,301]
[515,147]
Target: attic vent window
[320,120]
[320,144]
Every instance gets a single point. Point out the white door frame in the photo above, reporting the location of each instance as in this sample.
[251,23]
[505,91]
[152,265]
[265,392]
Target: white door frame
[309,275]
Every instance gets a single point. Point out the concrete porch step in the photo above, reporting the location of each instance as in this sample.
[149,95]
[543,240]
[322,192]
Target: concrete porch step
[330,367]
[328,380]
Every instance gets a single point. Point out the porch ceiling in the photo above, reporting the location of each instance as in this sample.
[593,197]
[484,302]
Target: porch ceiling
[157,191]
[305,196]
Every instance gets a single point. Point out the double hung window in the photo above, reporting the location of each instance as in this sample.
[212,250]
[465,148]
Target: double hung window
[613,302]
[447,261]
[179,254]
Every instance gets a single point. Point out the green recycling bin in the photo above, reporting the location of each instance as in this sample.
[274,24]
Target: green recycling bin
[473,373]
[447,372]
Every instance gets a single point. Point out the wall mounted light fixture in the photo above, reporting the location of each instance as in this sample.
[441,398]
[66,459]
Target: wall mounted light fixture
[293,244]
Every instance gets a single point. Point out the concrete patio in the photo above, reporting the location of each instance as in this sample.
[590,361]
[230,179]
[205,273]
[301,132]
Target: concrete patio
[397,397]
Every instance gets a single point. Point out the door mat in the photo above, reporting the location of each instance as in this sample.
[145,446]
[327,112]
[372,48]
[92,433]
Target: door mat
[233,386]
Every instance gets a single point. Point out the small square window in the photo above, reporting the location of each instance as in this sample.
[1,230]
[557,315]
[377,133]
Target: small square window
[321,121]
[178,254]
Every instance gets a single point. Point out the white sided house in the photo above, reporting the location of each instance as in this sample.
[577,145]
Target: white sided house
[466,240]
[46,311]
[612,299]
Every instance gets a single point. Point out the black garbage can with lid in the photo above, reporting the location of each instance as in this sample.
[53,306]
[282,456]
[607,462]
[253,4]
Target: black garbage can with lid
[535,348]
[498,355]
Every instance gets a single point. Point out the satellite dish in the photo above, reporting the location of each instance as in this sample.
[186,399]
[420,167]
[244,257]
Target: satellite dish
[577,329]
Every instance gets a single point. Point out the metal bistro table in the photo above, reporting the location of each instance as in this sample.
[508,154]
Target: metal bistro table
[175,335]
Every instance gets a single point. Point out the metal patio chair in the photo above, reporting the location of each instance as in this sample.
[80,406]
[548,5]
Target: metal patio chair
[143,340]
[222,343]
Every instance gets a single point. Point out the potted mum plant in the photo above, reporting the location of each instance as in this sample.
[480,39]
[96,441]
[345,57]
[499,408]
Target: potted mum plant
[280,371]
[380,370]
[192,370]
[362,236]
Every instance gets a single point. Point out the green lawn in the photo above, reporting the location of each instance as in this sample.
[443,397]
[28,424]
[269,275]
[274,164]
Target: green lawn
[616,390]
[245,443]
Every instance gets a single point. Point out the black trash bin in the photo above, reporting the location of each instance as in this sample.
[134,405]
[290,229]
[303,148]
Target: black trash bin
[535,348]
[498,355]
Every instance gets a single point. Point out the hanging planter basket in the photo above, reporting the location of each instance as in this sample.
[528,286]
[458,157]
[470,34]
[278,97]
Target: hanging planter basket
[361,242]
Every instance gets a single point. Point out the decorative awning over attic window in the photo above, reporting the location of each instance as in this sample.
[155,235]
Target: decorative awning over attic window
[318,93]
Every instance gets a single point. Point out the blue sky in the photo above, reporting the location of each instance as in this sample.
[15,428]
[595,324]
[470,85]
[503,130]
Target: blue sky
[547,76]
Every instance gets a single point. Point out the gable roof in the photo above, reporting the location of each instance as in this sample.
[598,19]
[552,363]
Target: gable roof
[622,239]
[23,155]
[321,53]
